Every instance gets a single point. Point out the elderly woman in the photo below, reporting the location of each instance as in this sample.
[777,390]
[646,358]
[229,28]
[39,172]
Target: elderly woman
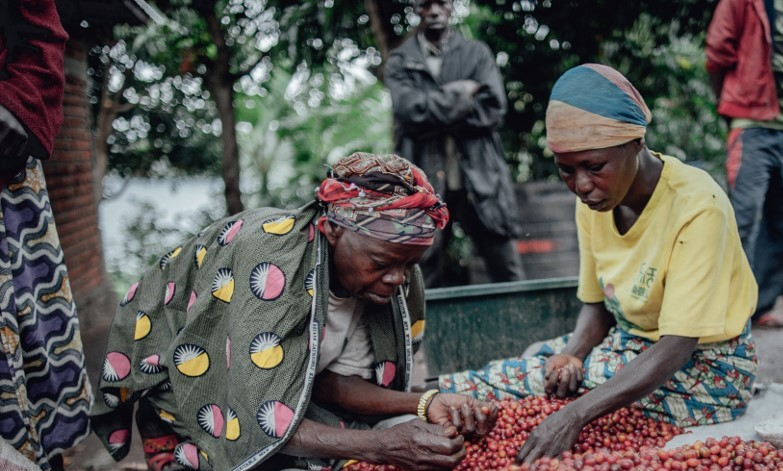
[276,337]
[665,285]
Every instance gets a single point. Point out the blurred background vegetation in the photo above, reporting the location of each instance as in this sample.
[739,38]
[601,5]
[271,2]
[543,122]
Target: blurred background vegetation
[261,93]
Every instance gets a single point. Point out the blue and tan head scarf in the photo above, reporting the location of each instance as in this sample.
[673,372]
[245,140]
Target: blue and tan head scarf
[384,197]
[593,106]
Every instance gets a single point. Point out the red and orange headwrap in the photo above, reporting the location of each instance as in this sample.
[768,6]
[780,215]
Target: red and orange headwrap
[384,197]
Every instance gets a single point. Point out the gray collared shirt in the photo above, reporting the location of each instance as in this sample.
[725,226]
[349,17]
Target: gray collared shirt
[433,57]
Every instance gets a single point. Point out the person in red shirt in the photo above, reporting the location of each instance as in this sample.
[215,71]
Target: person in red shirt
[745,63]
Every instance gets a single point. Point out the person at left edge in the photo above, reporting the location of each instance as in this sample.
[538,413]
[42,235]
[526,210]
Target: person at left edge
[45,395]
[278,337]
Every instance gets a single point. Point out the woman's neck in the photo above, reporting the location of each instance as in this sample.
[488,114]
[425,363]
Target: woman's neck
[647,176]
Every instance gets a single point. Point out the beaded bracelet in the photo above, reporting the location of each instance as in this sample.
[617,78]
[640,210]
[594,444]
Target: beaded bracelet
[424,402]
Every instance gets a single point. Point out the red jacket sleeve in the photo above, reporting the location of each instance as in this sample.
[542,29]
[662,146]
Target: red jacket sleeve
[32,76]
[723,35]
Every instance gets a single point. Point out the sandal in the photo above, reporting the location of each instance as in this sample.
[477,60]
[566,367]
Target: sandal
[159,453]
[770,319]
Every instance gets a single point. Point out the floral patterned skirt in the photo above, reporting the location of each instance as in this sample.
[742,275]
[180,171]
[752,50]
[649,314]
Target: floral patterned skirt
[714,386]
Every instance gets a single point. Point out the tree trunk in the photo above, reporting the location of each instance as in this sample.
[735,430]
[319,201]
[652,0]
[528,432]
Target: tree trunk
[108,110]
[103,124]
[221,84]
[380,21]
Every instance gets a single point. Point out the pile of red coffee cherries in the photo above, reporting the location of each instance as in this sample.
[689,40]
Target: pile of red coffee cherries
[625,429]
[726,454]
[622,440]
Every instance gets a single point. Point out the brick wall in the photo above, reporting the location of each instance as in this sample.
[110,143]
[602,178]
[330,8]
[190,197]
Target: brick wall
[69,179]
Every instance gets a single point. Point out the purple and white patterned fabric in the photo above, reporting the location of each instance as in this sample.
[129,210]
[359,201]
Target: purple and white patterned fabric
[45,394]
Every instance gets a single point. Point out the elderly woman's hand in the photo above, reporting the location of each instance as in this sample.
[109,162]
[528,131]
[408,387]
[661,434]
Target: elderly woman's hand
[563,374]
[467,414]
[422,446]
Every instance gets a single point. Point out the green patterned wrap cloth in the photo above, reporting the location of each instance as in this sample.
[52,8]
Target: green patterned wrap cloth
[225,330]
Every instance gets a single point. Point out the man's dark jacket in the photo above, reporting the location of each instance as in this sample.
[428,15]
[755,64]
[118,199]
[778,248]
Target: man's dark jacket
[426,109]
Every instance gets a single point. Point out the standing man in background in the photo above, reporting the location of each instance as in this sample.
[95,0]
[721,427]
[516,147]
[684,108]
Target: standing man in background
[45,395]
[745,63]
[449,100]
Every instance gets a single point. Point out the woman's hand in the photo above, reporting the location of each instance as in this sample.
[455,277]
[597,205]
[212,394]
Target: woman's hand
[466,414]
[556,434]
[563,374]
[645,373]
[422,446]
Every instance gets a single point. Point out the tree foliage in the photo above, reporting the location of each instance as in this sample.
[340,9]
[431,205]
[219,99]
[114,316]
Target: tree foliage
[163,125]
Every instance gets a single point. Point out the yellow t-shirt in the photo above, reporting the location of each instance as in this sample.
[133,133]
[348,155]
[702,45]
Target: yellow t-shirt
[679,270]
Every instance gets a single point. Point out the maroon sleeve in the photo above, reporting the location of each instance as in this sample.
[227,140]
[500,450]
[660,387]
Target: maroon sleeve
[32,76]
[723,35]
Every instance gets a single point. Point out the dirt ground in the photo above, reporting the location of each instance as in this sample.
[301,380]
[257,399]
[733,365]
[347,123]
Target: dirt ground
[91,456]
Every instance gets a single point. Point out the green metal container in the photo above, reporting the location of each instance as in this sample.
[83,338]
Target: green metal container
[467,326]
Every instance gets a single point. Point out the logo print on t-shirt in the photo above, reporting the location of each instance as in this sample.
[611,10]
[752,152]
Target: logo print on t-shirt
[643,282]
